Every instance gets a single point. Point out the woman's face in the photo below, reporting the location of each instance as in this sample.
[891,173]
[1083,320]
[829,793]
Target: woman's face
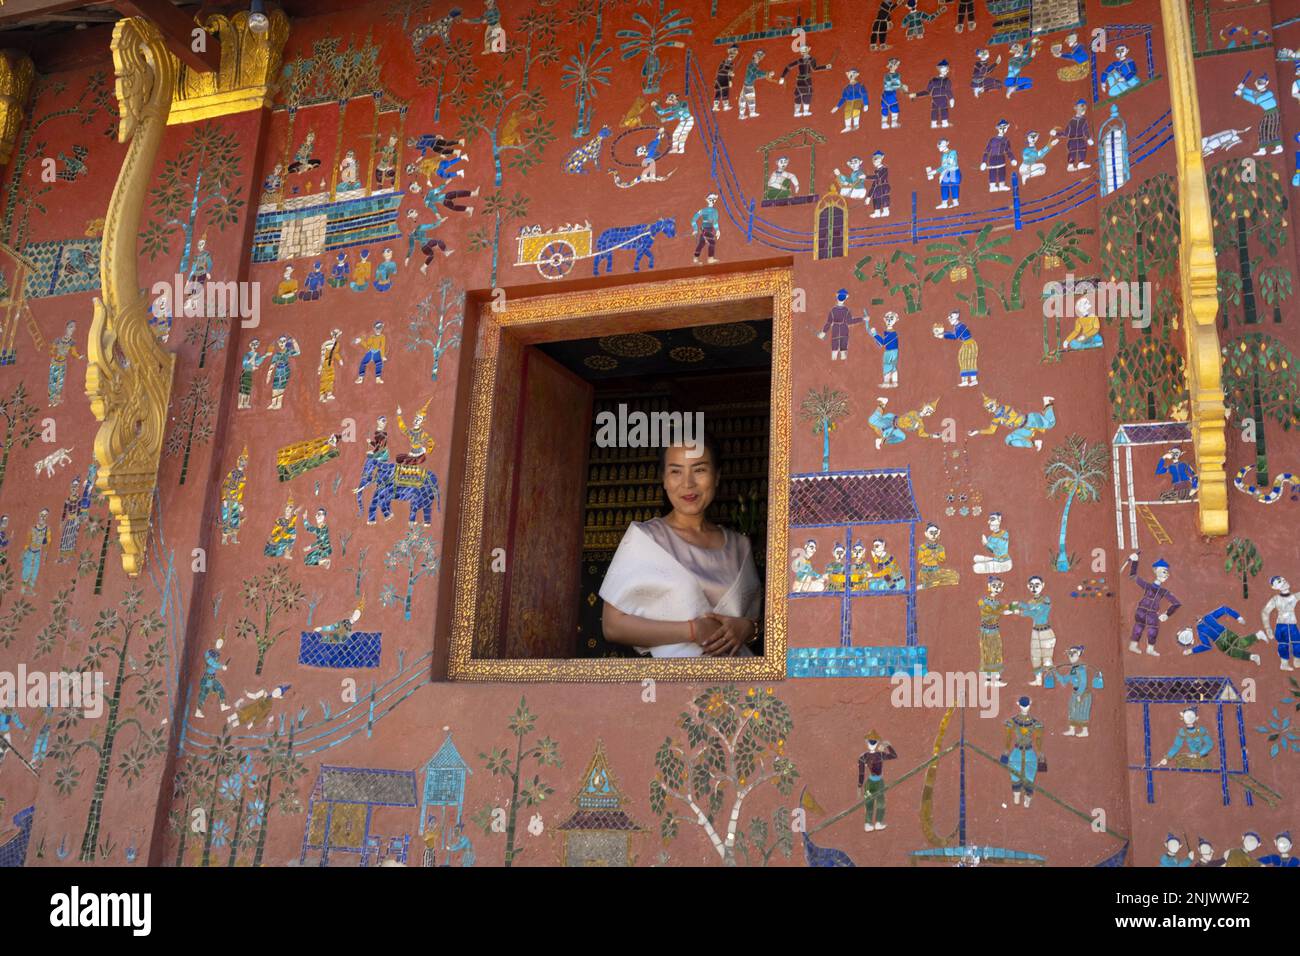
[690,482]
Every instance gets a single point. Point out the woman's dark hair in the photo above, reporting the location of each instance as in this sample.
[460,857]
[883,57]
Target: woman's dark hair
[705,439]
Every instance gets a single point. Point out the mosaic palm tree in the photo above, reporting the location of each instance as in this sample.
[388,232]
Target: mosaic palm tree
[650,39]
[1077,470]
[584,73]
[824,409]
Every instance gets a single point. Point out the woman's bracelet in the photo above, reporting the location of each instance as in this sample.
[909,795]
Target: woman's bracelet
[691,624]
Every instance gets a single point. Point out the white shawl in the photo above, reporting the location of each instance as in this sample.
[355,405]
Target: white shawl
[646,581]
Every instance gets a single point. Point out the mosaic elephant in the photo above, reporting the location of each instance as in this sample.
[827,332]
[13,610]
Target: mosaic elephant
[381,474]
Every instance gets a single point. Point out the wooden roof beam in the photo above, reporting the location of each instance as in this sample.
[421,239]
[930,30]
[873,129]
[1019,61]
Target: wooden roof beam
[177,29]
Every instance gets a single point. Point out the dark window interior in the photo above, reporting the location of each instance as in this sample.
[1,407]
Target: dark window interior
[723,371]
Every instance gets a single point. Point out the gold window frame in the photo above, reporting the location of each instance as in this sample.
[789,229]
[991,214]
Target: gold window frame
[645,306]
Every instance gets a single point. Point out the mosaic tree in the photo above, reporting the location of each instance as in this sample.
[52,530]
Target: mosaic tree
[448,67]
[912,291]
[1146,380]
[585,10]
[649,40]
[1244,211]
[536,35]
[502,209]
[544,753]
[1243,558]
[1259,383]
[266,596]
[445,336]
[963,257]
[56,629]
[417,554]
[96,95]
[179,820]
[1076,470]
[584,73]
[1275,288]
[734,743]
[280,766]
[824,409]
[111,644]
[1057,246]
[202,179]
[487,114]
[18,610]
[210,335]
[195,421]
[18,416]
[210,775]
[1140,233]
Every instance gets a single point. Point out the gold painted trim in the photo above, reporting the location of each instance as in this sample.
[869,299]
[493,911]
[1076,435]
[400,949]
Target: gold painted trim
[1199,276]
[250,68]
[16,75]
[607,306]
[128,374]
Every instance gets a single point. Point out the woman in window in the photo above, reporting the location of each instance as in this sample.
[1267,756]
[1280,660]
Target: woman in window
[680,585]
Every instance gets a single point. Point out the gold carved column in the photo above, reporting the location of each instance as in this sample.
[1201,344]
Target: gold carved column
[1199,275]
[129,374]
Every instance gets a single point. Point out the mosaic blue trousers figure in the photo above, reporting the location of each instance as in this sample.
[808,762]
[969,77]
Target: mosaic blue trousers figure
[1023,437]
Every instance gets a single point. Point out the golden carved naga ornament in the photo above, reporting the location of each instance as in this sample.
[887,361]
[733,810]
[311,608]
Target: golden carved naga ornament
[250,67]
[128,374]
[16,75]
[1199,276]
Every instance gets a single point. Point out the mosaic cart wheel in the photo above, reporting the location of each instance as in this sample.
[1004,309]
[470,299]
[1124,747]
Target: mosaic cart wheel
[556,259]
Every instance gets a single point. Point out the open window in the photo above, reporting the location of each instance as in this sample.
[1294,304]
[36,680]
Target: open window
[544,503]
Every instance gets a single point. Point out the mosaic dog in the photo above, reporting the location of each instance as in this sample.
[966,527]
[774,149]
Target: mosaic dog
[590,153]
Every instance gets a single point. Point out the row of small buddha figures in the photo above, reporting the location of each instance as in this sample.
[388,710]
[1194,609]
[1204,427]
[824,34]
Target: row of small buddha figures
[652,493]
[729,447]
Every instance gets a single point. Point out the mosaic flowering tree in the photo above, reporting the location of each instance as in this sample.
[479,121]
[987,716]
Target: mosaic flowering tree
[535,42]
[824,409]
[194,421]
[544,753]
[201,179]
[1243,558]
[585,10]
[502,209]
[734,743]
[1246,211]
[486,115]
[281,770]
[111,643]
[266,596]
[1259,383]
[210,334]
[1075,470]
[448,67]
[1140,236]
[17,415]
